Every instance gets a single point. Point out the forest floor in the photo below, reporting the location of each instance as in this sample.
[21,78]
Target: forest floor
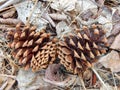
[59,18]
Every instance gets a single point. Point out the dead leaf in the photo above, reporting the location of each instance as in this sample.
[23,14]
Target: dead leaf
[116,42]
[86,4]
[68,5]
[24,9]
[112,61]
[110,39]
[86,15]
[62,28]
[116,20]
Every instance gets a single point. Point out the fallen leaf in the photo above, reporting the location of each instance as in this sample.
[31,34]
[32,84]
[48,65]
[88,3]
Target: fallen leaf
[62,28]
[116,20]
[24,9]
[68,5]
[116,42]
[86,4]
[111,60]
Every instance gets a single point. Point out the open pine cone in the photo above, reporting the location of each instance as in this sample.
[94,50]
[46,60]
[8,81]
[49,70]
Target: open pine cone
[31,48]
[78,50]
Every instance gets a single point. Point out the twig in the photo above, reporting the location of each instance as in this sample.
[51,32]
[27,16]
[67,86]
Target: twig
[99,77]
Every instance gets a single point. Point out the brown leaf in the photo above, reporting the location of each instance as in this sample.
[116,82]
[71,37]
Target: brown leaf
[116,20]
[112,61]
[116,42]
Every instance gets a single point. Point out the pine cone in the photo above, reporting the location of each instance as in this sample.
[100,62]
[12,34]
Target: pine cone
[80,49]
[31,48]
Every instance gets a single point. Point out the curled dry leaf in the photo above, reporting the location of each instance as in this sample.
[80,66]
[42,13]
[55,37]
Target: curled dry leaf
[112,61]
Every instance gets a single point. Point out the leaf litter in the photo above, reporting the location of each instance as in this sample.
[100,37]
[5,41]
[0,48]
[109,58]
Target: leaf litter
[64,16]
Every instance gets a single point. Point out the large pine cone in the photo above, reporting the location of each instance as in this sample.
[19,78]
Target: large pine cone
[78,50]
[31,48]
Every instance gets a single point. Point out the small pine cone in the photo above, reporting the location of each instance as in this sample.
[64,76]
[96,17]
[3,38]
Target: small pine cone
[80,49]
[31,48]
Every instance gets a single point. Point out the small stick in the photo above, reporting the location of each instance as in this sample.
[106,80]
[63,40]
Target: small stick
[99,77]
